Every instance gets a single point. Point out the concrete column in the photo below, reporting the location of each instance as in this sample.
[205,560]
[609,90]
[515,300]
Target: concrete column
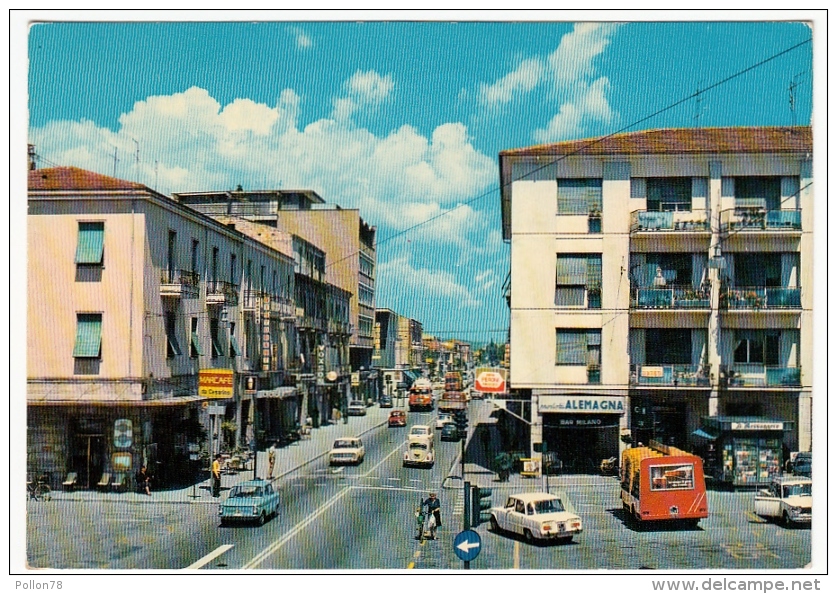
[536,428]
[713,346]
[804,421]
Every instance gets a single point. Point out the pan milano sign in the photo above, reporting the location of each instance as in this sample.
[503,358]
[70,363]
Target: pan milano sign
[581,404]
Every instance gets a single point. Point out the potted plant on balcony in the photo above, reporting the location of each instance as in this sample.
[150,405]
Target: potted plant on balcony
[753,299]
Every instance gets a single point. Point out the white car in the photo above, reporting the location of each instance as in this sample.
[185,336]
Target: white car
[787,499]
[346,450]
[442,419]
[537,516]
[356,408]
[421,432]
[420,452]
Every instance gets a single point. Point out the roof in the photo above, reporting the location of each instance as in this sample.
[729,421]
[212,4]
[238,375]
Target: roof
[761,139]
[75,179]
[527,497]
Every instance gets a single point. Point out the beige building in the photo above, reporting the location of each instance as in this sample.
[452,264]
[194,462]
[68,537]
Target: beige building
[661,288]
[346,240]
[130,295]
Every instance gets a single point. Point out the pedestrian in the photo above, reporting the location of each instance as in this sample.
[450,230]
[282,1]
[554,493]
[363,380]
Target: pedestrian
[434,507]
[271,460]
[144,481]
[216,476]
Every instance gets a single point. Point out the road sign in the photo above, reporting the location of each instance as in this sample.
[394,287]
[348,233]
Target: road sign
[467,545]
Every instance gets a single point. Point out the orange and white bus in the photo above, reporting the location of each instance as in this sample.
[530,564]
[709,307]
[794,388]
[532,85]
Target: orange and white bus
[662,482]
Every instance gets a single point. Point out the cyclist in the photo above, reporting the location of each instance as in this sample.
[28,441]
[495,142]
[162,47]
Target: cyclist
[434,507]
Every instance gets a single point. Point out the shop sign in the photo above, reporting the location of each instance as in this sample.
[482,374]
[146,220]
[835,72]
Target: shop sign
[355,378]
[588,421]
[490,380]
[251,384]
[582,404]
[215,383]
[320,364]
[647,371]
[757,426]
[123,433]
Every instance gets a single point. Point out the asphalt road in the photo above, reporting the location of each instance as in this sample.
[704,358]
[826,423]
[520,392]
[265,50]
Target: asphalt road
[361,517]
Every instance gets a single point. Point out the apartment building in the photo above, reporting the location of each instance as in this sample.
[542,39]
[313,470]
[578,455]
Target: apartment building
[131,296]
[346,240]
[400,351]
[661,288]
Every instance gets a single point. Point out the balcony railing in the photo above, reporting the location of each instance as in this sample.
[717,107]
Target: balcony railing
[691,220]
[760,298]
[673,297]
[759,219]
[176,282]
[251,300]
[685,375]
[221,292]
[757,375]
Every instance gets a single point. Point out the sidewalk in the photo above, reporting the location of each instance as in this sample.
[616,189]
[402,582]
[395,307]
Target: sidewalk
[288,459]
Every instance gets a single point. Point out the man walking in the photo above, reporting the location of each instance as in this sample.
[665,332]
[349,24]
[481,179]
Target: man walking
[216,476]
[271,460]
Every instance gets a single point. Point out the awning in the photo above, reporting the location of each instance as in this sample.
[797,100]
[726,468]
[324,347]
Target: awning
[409,377]
[703,434]
[88,336]
[91,243]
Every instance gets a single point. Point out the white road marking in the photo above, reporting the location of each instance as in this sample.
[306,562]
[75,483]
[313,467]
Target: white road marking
[394,479]
[207,558]
[516,555]
[268,551]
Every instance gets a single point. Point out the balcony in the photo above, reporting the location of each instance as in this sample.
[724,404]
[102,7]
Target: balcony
[678,376]
[221,293]
[176,283]
[673,297]
[251,300]
[756,298]
[681,220]
[757,375]
[761,219]
[281,307]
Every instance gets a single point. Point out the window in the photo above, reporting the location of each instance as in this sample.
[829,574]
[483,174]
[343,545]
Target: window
[578,280]
[91,244]
[758,192]
[668,346]
[215,336]
[756,346]
[195,246]
[578,346]
[195,345]
[214,266]
[668,194]
[172,346]
[171,255]
[233,270]
[88,336]
[579,196]
[235,350]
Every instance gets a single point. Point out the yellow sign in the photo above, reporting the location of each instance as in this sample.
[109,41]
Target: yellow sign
[215,383]
[651,371]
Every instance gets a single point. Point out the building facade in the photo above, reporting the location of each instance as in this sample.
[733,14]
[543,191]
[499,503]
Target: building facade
[660,281]
[130,296]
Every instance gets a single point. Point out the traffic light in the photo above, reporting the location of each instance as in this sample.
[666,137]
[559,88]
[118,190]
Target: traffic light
[480,505]
[460,418]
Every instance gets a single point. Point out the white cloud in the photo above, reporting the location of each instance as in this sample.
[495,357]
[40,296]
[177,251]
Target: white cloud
[189,141]
[431,284]
[364,89]
[572,61]
[524,78]
[589,104]
[303,40]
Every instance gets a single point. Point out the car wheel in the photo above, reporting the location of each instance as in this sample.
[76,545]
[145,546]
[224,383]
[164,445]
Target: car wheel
[223,523]
[261,519]
[527,534]
[786,520]
[495,527]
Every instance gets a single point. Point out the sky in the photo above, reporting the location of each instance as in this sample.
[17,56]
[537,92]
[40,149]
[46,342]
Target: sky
[402,120]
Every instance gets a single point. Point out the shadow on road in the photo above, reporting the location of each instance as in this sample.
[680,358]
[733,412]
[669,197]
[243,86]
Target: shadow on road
[635,525]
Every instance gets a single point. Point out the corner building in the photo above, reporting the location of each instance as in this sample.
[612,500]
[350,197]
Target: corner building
[661,283]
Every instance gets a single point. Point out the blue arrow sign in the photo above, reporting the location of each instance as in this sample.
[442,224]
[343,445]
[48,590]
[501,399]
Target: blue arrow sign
[467,545]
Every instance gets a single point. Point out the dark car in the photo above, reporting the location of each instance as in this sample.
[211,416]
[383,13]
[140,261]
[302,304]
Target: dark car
[449,432]
[386,402]
[801,465]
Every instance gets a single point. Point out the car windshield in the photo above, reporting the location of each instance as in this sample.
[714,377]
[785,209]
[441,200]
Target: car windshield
[356,403]
[245,491]
[344,443]
[418,446]
[548,506]
[418,431]
[795,490]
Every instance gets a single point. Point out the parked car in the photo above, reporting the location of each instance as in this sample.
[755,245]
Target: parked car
[442,419]
[397,418]
[385,402]
[420,452]
[249,501]
[801,464]
[346,450]
[357,408]
[537,516]
[450,432]
[787,499]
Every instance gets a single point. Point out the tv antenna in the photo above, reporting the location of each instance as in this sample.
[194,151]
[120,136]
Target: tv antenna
[699,110]
[792,96]
[115,159]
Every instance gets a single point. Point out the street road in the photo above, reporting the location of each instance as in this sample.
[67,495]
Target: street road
[361,517]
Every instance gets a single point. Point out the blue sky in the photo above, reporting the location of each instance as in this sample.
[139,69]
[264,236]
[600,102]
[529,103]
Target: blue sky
[403,120]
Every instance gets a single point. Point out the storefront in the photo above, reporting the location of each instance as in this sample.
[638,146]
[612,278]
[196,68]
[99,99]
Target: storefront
[580,431]
[742,451]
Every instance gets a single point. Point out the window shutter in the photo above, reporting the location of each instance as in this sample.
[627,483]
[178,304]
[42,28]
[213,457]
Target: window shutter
[88,336]
[594,271]
[571,347]
[91,243]
[571,270]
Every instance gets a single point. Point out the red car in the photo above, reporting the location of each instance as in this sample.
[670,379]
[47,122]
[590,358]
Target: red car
[397,418]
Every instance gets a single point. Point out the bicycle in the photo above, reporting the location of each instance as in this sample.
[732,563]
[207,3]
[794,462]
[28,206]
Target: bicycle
[39,490]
